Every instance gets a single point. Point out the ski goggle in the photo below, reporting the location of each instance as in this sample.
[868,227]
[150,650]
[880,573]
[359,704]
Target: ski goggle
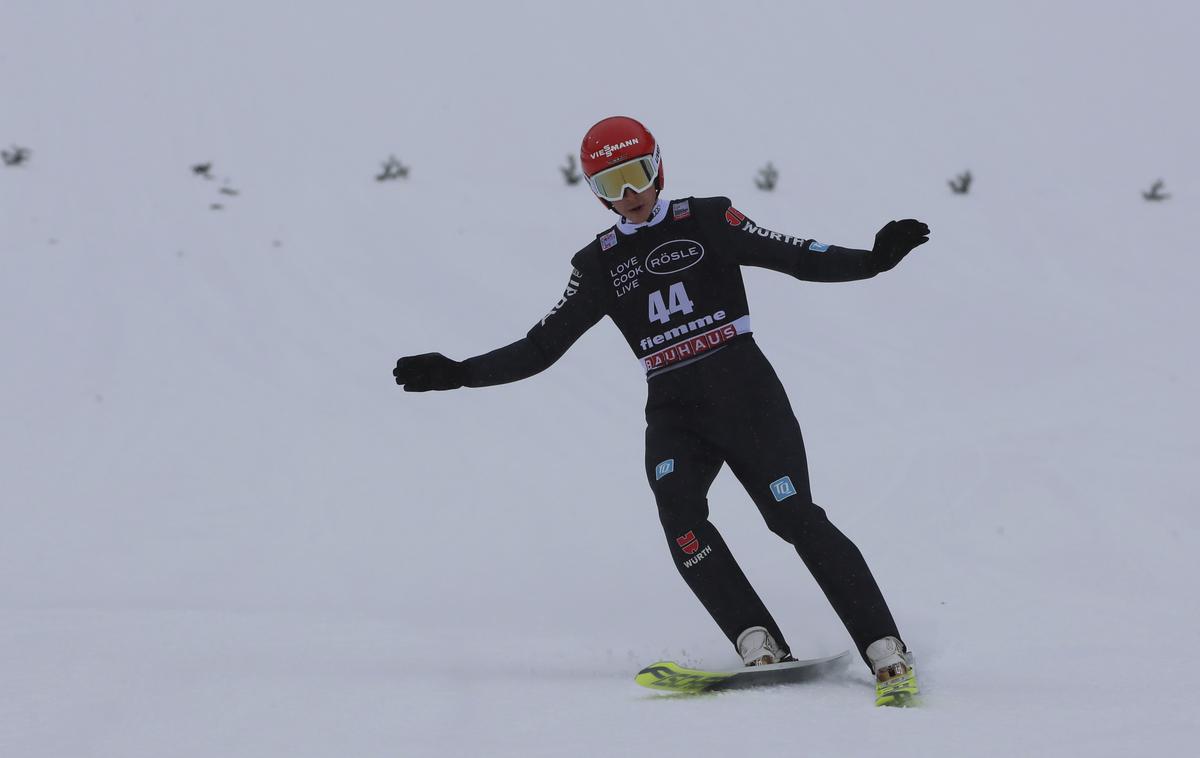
[637,174]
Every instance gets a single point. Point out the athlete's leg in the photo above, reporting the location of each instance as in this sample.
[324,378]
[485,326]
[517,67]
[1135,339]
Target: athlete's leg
[765,450]
[681,468]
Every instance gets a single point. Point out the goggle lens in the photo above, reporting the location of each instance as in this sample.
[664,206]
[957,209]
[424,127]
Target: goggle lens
[637,174]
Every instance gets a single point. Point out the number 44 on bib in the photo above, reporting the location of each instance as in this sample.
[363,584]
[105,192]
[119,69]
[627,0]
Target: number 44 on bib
[677,301]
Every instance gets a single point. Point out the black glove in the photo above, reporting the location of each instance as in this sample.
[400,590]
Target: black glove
[431,371]
[897,239]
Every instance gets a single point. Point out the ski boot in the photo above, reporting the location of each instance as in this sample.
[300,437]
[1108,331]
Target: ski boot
[758,648]
[895,679]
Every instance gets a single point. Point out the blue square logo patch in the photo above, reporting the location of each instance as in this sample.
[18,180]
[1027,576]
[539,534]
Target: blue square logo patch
[664,468]
[783,488]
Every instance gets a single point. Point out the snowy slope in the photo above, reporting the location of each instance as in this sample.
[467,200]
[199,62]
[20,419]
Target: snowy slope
[226,532]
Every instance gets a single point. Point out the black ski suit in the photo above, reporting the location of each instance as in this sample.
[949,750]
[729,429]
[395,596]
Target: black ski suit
[673,286]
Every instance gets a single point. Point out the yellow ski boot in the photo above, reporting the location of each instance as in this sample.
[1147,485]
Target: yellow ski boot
[895,679]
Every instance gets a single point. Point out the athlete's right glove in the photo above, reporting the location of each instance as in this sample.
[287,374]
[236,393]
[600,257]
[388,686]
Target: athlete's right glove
[895,240]
[430,371]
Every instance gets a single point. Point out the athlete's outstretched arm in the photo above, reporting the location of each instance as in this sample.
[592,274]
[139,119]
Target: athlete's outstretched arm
[817,262]
[577,310]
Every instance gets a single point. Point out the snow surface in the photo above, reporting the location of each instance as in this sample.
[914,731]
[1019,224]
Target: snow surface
[225,532]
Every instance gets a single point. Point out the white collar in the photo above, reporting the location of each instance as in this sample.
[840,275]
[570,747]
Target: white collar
[660,212]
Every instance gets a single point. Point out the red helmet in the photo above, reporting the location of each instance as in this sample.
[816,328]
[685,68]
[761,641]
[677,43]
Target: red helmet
[614,141]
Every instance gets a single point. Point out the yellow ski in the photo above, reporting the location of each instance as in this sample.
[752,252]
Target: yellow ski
[669,676]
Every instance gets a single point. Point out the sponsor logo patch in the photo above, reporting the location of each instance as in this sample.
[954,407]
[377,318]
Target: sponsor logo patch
[682,329]
[608,240]
[608,150]
[698,557]
[734,217]
[625,276]
[783,488]
[676,255]
[664,468]
[751,228]
[681,210]
[817,247]
[693,346]
[572,289]
[688,543]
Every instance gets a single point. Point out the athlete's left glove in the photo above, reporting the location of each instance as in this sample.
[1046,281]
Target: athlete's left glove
[895,240]
[430,371]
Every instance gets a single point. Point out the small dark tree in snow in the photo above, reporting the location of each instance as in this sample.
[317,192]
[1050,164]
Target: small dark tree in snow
[571,171]
[962,184]
[392,169]
[1155,192]
[18,156]
[768,177]
[202,170]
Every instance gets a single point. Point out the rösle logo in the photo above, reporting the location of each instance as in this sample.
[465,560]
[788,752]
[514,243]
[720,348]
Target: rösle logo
[676,255]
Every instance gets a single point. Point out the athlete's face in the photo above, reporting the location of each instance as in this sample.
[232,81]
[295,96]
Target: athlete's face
[637,207]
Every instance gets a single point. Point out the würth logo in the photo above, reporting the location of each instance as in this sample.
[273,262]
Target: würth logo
[698,557]
[734,216]
[688,543]
[750,228]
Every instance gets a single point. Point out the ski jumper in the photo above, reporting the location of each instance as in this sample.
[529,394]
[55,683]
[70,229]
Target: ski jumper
[673,286]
